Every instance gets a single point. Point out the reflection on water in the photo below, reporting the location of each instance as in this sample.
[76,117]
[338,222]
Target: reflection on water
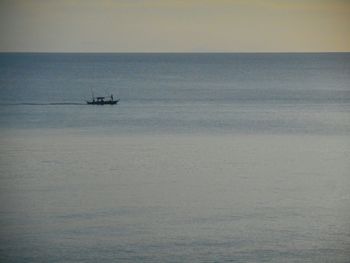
[168,198]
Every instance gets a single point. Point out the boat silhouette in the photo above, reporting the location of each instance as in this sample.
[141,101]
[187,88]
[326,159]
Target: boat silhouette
[102,101]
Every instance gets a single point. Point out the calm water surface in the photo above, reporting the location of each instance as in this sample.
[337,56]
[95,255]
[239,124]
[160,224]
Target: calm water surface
[207,158]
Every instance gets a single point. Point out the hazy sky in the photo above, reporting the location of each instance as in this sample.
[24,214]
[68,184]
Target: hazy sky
[174,25]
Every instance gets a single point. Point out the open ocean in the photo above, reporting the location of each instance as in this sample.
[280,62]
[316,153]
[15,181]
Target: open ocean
[208,157]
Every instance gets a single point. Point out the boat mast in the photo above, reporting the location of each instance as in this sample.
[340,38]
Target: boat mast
[92,94]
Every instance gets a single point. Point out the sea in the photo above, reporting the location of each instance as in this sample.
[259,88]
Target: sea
[208,157]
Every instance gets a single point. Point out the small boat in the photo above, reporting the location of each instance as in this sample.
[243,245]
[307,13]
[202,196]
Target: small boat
[102,101]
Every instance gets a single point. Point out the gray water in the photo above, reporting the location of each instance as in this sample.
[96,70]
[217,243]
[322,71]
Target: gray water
[207,158]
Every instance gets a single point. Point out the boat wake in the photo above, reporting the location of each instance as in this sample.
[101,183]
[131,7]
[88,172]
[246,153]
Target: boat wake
[42,104]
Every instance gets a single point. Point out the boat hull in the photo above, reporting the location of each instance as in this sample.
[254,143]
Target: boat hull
[109,102]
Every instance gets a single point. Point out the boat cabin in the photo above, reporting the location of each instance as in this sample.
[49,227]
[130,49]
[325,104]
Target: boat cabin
[100,99]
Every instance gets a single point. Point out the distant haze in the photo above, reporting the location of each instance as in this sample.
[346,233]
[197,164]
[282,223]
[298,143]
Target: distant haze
[174,26]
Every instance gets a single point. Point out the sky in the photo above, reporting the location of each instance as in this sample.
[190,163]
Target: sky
[174,25]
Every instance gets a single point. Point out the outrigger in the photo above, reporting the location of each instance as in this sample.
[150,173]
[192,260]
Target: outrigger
[102,101]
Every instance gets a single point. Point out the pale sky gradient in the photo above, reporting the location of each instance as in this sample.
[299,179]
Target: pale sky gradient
[175,25]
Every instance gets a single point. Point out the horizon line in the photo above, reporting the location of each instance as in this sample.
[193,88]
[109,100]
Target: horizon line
[172,52]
